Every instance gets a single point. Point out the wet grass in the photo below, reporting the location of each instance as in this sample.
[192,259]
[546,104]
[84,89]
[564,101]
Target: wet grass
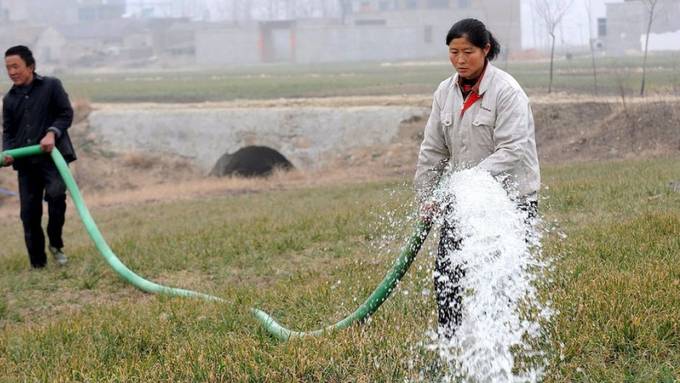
[309,257]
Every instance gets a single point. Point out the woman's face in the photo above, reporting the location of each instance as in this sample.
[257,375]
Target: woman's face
[467,58]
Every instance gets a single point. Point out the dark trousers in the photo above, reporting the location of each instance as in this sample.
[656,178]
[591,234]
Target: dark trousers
[447,275]
[41,180]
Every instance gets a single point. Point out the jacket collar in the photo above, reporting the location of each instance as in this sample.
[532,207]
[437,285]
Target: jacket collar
[489,74]
[36,79]
[485,84]
[487,78]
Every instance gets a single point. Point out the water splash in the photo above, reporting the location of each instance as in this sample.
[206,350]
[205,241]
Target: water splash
[501,334]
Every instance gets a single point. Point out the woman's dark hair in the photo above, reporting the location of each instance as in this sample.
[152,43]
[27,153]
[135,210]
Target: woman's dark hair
[475,31]
[23,52]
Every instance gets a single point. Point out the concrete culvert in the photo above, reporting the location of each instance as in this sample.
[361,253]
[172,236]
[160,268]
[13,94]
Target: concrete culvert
[250,161]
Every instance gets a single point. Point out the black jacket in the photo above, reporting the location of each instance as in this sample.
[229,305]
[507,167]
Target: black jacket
[29,112]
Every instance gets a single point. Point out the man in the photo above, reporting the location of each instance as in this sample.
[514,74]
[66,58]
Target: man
[36,110]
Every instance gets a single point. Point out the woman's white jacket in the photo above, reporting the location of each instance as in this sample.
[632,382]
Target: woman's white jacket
[495,133]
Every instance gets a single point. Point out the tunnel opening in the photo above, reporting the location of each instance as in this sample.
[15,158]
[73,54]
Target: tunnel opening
[250,161]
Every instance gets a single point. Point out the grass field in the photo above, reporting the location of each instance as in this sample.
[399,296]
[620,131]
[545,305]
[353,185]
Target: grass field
[615,76]
[310,256]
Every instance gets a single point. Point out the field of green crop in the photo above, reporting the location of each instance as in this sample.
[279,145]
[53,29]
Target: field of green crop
[616,76]
[310,256]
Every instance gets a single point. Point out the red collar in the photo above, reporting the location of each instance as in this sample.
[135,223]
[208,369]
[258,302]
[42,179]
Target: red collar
[473,90]
[471,99]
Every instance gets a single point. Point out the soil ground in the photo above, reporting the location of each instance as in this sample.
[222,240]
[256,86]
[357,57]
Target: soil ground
[568,128]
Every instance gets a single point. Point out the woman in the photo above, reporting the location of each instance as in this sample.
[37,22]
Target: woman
[480,117]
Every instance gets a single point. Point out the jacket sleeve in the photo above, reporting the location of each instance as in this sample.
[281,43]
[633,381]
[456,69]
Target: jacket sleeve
[512,133]
[433,156]
[63,111]
[6,121]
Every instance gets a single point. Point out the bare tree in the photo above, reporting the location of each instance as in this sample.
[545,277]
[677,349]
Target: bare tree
[651,7]
[622,90]
[551,13]
[589,9]
[676,77]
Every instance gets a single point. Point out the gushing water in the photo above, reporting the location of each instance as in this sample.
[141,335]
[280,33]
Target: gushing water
[502,315]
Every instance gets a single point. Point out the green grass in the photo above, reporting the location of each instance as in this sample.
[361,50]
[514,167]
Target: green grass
[289,81]
[309,257]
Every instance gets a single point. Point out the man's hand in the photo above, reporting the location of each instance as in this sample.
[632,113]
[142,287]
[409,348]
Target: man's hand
[47,143]
[7,160]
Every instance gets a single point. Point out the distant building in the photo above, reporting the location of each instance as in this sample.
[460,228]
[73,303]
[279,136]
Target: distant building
[60,12]
[234,11]
[67,33]
[362,30]
[46,42]
[114,42]
[99,10]
[437,16]
[623,31]
[173,33]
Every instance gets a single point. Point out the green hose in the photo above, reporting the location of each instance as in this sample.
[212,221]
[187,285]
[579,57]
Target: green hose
[26,151]
[380,295]
[372,303]
[95,234]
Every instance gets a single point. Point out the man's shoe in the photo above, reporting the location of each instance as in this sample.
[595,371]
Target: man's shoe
[58,255]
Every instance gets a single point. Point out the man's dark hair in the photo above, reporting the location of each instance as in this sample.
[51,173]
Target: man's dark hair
[475,31]
[23,52]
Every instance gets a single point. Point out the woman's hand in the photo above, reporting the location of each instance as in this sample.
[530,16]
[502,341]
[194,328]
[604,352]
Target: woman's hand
[428,211]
